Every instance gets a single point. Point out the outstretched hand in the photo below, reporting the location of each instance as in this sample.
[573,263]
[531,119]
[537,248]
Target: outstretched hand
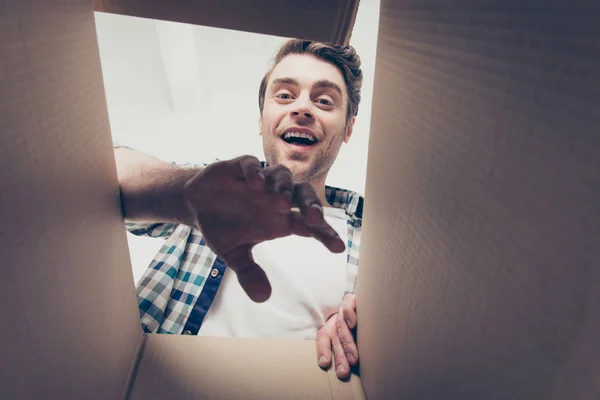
[237,204]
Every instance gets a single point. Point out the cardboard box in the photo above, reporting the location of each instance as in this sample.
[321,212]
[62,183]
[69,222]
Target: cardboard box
[329,21]
[480,263]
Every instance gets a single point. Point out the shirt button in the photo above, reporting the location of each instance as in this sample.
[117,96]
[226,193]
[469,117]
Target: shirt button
[214,273]
[188,332]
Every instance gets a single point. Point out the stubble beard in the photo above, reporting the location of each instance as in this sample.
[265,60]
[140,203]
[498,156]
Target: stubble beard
[316,171]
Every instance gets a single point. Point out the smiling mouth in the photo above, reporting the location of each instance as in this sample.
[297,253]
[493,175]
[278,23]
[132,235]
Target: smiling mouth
[299,139]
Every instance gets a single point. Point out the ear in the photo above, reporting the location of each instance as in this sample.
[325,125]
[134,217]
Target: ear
[260,125]
[349,129]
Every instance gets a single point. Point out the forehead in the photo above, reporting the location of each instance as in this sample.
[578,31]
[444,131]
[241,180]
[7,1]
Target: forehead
[307,70]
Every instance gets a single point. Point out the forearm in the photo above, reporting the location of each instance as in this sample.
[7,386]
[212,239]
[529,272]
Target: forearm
[151,189]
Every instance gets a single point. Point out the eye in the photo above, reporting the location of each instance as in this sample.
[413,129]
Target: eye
[324,101]
[284,96]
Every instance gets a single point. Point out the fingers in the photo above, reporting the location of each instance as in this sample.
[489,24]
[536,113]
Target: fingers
[346,340]
[324,233]
[250,275]
[329,237]
[255,283]
[235,173]
[307,200]
[335,335]
[251,171]
[324,342]
[342,368]
[349,310]
[280,182]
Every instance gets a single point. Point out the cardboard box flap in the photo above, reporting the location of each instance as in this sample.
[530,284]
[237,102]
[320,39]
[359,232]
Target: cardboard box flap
[480,258]
[329,21]
[191,367]
[70,320]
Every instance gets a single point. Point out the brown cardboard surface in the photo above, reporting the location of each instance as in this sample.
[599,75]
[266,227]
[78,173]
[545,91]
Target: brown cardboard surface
[480,274]
[191,367]
[351,388]
[481,240]
[70,325]
[329,21]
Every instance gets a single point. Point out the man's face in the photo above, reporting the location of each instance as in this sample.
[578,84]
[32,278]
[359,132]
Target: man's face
[303,123]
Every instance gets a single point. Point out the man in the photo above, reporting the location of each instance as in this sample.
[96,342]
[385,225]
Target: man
[258,219]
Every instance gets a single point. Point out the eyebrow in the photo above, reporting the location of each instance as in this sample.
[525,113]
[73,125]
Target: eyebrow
[285,81]
[328,84]
[324,83]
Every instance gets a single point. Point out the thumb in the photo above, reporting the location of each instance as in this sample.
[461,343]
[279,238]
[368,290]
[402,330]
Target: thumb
[250,275]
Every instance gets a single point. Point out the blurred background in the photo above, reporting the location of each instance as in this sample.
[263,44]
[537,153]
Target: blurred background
[188,93]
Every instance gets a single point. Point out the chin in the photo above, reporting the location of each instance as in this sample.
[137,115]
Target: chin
[300,169]
[300,176]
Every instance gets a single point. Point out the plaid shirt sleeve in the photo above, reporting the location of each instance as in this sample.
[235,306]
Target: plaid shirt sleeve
[159,230]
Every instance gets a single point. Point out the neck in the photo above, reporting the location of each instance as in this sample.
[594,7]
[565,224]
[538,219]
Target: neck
[319,186]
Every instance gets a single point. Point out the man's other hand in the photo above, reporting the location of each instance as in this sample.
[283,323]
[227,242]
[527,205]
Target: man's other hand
[237,204]
[338,335]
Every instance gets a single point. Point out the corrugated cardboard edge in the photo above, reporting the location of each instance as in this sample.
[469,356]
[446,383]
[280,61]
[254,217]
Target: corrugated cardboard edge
[331,21]
[350,388]
[345,20]
[134,367]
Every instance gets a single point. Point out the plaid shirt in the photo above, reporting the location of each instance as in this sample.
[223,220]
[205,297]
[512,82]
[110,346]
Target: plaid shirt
[181,282]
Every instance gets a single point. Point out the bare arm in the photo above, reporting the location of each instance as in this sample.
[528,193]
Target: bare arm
[151,189]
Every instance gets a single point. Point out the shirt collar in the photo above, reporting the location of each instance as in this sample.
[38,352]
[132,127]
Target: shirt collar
[351,202]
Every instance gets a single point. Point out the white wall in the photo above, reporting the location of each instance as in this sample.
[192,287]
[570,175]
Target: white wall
[189,94]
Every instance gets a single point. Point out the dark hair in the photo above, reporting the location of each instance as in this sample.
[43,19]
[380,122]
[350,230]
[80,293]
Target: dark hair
[344,58]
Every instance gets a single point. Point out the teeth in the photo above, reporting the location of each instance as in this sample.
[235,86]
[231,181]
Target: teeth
[300,135]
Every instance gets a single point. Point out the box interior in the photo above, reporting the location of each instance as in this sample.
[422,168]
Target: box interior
[481,243]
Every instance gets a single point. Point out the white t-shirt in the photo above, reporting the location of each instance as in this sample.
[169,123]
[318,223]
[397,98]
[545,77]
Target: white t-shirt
[308,283]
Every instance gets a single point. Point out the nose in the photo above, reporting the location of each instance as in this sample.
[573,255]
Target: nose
[302,109]
[303,114]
